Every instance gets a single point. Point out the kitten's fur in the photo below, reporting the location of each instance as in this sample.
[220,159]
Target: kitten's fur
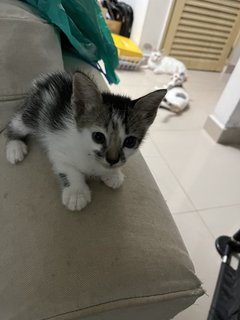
[85,132]
[177,98]
[163,64]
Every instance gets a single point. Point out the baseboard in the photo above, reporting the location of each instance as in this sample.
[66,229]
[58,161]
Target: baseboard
[213,128]
[229,68]
[229,136]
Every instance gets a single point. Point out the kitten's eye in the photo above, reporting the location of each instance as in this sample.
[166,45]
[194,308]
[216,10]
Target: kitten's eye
[98,137]
[130,142]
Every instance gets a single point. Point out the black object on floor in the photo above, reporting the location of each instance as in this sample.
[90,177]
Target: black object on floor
[226,300]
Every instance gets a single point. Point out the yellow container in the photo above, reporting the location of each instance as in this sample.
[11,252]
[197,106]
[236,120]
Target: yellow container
[126,47]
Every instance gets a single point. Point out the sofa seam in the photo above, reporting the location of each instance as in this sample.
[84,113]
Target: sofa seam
[4,98]
[24,20]
[199,289]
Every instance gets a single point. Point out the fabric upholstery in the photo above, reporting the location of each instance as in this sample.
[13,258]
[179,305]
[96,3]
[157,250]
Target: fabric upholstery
[29,46]
[122,250]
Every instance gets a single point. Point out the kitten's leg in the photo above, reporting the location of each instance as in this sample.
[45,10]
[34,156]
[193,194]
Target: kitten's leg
[75,192]
[114,179]
[16,132]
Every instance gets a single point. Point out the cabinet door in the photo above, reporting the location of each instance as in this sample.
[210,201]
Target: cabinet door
[201,33]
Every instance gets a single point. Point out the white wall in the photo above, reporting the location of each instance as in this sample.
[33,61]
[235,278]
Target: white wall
[150,17]
[234,120]
[227,111]
[155,22]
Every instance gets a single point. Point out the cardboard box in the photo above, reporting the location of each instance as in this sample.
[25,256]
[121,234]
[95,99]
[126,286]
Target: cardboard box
[114,26]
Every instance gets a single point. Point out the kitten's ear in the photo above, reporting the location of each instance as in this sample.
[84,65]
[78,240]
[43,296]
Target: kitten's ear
[85,94]
[146,107]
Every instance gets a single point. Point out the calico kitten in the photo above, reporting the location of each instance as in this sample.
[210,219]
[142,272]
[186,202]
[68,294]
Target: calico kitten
[177,98]
[85,132]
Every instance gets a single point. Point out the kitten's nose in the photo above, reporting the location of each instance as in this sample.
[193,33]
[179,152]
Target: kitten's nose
[112,161]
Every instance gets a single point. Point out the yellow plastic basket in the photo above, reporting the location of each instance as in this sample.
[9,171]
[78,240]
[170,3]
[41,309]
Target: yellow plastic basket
[130,56]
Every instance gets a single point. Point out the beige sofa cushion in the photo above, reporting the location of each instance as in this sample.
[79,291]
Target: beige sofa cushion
[122,251]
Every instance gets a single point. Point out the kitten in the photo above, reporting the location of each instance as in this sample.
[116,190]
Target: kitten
[164,64]
[85,132]
[176,99]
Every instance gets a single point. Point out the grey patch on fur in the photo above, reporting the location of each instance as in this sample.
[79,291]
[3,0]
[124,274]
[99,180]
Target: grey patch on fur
[64,180]
[16,129]
[114,147]
[87,102]
[174,86]
[181,95]
[13,135]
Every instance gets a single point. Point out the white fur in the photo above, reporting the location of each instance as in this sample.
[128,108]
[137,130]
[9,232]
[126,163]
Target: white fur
[121,127]
[18,125]
[76,199]
[114,179]
[165,64]
[177,98]
[70,152]
[174,102]
[15,151]
[74,148]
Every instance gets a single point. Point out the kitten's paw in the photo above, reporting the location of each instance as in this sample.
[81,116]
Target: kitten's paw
[15,151]
[76,199]
[113,180]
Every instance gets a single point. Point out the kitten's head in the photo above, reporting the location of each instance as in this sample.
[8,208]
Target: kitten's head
[114,125]
[177,80]
[155,56]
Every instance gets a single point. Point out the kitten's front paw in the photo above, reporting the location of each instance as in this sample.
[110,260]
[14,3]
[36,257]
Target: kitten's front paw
[15,151]
[114,180]
[76,199]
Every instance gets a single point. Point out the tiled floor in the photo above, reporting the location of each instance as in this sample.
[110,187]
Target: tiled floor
[199,179]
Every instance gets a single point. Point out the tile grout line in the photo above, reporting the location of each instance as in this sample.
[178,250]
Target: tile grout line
[199,216]
[210,208]
[177,130]
[207,227]
[180,185]
[196,210]
[219,207]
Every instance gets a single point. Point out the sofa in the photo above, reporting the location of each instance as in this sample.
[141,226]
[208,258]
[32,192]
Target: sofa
[120,258]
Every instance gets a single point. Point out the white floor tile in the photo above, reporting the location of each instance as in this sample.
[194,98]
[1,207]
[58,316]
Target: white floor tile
[208,172]
[168,185]
[191,119]
[148,148]
[200,245]
[222,221]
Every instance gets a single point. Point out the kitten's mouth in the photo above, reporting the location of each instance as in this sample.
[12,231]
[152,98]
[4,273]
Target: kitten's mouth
[112,166]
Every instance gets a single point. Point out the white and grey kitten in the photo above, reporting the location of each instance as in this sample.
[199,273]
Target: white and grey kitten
[85,132]
[164,64]
[177,98]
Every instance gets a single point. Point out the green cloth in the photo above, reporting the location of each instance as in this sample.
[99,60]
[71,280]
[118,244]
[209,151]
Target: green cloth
[83,24]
